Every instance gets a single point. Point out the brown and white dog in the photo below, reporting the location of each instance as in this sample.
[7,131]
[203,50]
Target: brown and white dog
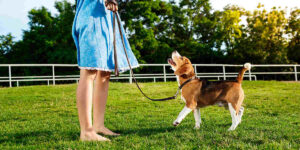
[201,93]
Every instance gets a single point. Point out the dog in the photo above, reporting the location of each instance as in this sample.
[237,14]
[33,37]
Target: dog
[201,93]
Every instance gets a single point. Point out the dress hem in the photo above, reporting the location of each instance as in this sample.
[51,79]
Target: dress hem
[109,70]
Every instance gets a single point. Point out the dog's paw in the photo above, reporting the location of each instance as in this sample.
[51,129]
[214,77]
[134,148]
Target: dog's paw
[197,127]
[175,123]
[231,128]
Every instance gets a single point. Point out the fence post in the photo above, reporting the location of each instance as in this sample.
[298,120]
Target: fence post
[224,73]
[250,78]
[17,83]
[130,77]
[165,75]
[195,69]
[53,74]
[9,74]
[296,73]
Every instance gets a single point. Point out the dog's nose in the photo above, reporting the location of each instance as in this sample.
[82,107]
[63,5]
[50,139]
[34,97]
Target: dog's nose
[175,53]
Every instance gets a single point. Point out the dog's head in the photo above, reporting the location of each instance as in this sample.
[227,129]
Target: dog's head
[181,65]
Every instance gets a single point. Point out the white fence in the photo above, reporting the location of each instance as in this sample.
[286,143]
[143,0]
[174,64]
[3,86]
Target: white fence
[51,79]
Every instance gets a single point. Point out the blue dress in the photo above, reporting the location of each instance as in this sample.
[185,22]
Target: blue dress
[93,35]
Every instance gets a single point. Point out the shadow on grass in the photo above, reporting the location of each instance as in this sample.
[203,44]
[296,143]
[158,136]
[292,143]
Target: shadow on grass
[146,131]
[38,137]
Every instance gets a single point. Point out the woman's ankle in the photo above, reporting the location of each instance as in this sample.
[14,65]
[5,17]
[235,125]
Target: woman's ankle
[87,130]
[98,126]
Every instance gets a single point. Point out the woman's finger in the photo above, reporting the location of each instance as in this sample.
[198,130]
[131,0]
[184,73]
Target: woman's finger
[111,7]
[114,7]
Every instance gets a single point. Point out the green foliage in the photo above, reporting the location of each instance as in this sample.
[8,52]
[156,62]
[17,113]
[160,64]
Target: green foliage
[294,32]
[263,38]
[195,31]
[42,117]
[147,24]
[6,44]
[48,39]
[229,27]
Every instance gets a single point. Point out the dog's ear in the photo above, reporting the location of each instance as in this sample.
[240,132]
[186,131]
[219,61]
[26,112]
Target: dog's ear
[183,70]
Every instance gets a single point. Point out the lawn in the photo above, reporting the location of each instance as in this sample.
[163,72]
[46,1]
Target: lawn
[45,117]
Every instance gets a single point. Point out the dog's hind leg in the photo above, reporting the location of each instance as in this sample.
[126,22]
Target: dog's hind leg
[239,108]
[197,117]
[240,114]
[234,117]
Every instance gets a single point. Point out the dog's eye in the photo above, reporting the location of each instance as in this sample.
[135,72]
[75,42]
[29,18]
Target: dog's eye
[181,57]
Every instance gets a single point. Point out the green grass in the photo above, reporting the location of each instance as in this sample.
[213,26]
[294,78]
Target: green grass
[42,117]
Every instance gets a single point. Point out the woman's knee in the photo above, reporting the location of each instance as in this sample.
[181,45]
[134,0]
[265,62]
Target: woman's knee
[88,74]
[103,76]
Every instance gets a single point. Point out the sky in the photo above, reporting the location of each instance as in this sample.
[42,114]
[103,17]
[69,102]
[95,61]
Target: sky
[13,13]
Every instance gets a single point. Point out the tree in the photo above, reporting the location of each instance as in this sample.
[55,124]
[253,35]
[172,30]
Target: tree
[6,44]
[146,23]
[263,39]
[64,48]
[195,31]
[229,29]
[294,32]
[48,39]
[37,40]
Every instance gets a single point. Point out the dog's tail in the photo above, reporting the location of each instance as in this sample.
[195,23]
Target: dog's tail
[247,66]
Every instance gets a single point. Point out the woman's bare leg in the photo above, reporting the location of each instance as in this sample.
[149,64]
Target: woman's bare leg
[84,104]
[99,99]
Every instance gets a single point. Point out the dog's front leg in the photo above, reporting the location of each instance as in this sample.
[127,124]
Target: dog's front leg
[197,117]
[185,111]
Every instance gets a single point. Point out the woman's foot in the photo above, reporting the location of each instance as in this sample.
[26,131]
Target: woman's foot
[105,131]
[92,136]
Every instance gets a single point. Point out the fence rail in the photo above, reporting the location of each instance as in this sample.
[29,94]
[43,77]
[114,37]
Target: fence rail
[164,75]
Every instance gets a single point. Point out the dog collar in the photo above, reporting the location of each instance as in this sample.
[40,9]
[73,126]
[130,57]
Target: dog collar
[187,81]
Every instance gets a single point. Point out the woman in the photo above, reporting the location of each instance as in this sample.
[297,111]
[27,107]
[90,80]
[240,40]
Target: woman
[93,36]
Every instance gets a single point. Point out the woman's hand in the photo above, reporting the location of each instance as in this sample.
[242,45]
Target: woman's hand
[111,5]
